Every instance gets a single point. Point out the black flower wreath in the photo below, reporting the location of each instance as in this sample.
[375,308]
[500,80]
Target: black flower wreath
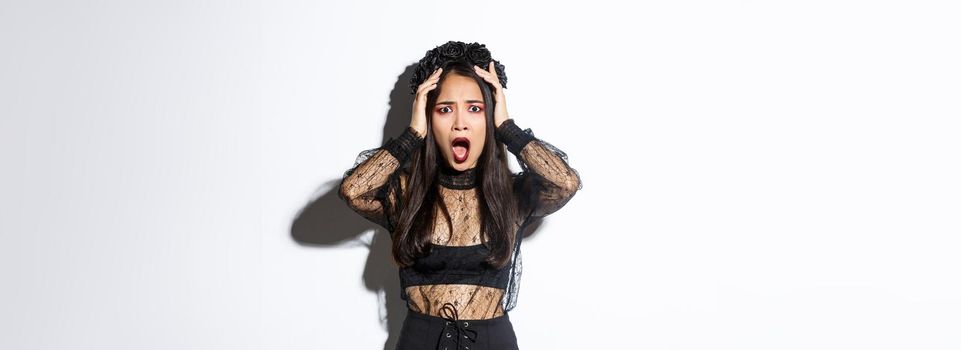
[472,54]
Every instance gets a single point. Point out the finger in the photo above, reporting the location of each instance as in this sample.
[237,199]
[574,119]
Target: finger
[435,75]
[488,77]
[431,80]
[493,74]
[483,74]
[425,88]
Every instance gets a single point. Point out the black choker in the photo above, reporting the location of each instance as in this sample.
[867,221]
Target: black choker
[458,180]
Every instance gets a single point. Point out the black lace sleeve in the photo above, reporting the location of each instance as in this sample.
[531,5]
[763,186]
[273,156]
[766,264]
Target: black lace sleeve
[371,187]
[546,181]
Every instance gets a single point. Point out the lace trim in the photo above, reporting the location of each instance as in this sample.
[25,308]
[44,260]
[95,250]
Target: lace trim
[458,180]
[403,145]
[513,136]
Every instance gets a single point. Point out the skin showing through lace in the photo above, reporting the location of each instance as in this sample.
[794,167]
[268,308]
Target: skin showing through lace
[546,184]
[472,301]
[459,112]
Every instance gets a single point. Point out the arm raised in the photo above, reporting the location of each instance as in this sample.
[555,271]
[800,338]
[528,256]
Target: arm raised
[547,181]
[373,185]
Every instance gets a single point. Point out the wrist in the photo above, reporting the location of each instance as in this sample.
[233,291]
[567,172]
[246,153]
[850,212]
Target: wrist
[404,145]
[419,130]
[513,136]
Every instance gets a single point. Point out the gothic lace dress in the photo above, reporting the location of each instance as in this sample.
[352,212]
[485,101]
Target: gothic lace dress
[453,273]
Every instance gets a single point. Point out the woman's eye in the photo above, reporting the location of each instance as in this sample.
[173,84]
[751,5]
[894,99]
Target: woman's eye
[474,108]
[445,109]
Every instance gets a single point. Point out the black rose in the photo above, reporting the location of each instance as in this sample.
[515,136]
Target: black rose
[425,67]
[430,59]
[418,78]
[474,53]
[478,54]
[501,74]
[453,49]
[415,81]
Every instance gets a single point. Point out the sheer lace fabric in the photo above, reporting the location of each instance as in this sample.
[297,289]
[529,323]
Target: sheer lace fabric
[465,224]
[453,272]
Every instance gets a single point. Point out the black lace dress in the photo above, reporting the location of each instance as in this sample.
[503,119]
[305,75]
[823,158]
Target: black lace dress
[453,273]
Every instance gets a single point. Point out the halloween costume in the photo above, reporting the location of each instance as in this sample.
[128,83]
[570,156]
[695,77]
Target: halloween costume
[456,298]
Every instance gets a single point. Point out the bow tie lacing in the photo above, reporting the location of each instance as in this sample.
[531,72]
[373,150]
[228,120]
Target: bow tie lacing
[449,313]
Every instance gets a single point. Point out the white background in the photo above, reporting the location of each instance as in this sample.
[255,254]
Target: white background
[757,175]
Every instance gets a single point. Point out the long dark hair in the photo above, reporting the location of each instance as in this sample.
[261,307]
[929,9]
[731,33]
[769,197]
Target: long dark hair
[498,207]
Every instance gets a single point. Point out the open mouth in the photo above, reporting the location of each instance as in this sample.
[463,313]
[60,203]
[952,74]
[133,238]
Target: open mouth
[461,148]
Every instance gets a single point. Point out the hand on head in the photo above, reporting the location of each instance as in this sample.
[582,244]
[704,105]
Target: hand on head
[418,119]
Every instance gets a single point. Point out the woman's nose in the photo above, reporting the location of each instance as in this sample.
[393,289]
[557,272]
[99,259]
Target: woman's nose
[460,122]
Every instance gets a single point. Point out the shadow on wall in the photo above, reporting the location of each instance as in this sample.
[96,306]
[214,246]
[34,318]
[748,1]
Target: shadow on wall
[327,221]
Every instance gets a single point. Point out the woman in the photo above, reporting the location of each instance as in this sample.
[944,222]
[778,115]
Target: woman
[456,213]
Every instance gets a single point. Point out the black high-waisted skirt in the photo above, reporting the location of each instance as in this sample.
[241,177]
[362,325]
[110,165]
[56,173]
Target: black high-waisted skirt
[428,332]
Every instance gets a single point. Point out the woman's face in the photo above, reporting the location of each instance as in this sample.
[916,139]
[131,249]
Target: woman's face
[458,121]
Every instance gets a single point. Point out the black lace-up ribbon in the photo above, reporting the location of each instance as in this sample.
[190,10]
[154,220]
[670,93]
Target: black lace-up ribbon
[461,330]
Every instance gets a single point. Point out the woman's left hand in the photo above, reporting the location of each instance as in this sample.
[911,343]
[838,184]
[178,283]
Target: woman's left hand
[500,108]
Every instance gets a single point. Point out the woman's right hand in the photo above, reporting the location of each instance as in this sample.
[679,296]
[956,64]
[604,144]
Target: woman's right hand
[418,119]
